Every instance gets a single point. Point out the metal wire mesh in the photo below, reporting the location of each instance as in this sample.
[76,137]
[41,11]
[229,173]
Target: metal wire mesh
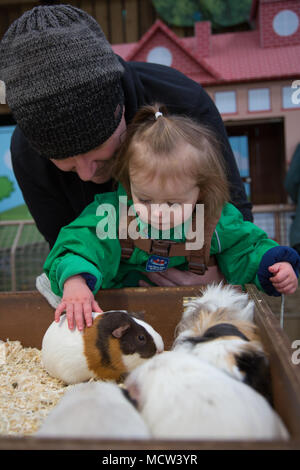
[275,221]
[23,250]
[22,254]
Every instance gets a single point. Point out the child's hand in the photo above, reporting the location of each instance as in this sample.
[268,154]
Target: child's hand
[284,278]
[78,301]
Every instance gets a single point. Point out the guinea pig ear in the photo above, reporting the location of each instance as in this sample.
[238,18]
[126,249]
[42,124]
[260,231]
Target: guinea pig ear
[118,332]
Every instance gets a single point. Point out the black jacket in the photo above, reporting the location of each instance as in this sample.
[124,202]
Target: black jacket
[55,198]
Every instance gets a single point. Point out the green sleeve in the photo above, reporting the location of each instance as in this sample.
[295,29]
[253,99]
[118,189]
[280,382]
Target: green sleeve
[239,247]
[88,245]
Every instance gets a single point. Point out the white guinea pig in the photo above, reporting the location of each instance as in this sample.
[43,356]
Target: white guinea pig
[218,327]
[220,296]
[181,397]
[115,344]
[94,410]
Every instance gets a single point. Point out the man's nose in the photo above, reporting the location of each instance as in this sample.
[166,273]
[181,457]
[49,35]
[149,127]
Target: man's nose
[85,168]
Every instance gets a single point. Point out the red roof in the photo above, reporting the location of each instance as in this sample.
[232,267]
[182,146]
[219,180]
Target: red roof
[234,57]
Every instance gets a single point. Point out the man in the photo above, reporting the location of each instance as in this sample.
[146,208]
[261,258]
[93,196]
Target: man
[72,98]
[292,186]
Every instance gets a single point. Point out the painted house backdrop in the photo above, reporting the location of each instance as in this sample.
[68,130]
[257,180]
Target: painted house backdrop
[10,194]
[249,75]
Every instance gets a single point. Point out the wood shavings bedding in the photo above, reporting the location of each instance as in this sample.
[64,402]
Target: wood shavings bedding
[27,392]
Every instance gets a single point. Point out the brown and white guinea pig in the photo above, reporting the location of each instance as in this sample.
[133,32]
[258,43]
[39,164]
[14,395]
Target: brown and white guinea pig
[218,327]
[115,344]
[94,410]
[182,397]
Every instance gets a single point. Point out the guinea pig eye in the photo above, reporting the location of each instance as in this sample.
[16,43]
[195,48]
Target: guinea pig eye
[141,338]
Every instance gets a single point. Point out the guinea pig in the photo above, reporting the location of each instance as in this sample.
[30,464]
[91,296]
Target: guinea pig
[94,410]
[115,344]
[181,397]
[216,296]
[218,328]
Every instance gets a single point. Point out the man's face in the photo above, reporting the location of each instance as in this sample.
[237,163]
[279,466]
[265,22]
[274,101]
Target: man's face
[95,165]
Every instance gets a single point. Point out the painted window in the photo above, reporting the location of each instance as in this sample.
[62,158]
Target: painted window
[285,23]
[239,145]
[260,154]
[226,101]
[290,97]
[160,55]
[259,99]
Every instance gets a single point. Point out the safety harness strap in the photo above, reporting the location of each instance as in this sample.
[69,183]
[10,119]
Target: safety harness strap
[198,260]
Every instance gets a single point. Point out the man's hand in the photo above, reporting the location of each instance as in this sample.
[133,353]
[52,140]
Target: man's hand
[78,301]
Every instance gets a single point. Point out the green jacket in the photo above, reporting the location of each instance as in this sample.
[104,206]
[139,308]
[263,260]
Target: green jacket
[238,245]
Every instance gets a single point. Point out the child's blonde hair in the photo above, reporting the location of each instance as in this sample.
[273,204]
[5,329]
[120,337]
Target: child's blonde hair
[152,148]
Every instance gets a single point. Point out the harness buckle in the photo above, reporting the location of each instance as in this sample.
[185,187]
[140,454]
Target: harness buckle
[161,247]
[197,267]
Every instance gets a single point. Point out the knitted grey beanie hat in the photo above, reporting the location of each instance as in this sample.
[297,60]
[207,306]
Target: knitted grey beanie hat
[63,80]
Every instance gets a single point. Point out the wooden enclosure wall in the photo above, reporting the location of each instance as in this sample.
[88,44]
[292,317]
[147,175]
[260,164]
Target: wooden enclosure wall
[121,20]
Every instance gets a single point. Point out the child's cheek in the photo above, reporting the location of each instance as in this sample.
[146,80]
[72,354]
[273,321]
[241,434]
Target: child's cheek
[142,212]
[187,210]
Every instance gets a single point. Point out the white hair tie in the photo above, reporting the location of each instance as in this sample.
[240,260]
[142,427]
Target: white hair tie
[158,114]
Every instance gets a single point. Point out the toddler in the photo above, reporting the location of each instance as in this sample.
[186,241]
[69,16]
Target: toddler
[169,168]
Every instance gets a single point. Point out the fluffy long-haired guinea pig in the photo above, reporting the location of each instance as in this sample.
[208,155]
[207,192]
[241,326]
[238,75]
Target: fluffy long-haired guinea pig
[181,397]
[218,327]
[115,344]
[94,410]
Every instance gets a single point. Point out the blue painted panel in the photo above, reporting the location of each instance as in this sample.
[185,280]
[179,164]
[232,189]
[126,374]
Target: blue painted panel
[239,145]
[10,193]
